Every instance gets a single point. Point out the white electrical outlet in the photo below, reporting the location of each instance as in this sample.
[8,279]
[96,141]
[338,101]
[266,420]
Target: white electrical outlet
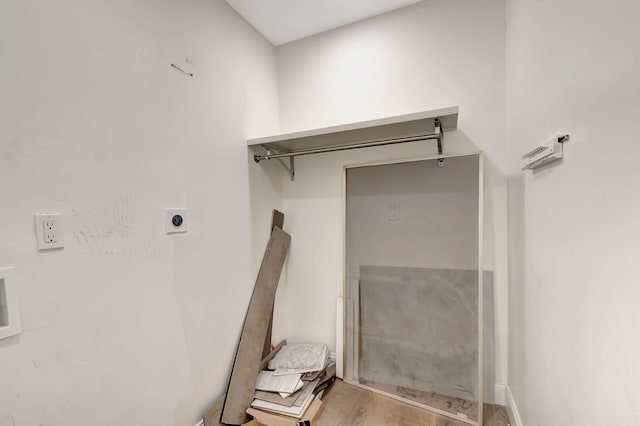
[49,231]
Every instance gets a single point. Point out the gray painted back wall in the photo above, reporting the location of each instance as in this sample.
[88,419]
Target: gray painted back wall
[438,209]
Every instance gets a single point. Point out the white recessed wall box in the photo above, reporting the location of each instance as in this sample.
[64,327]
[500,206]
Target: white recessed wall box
[10,324]
[175,220]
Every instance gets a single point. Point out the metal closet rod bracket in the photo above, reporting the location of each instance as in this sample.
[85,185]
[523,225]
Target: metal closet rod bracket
[440,134]
[273,153]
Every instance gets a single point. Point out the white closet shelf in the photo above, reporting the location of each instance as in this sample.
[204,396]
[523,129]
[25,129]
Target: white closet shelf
[419,126]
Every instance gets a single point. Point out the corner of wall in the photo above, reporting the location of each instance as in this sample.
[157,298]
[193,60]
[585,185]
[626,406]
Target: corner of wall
[512,408]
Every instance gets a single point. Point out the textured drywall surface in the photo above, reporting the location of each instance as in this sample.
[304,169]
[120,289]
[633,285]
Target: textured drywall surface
[430,55]
[127,325]
[574,338]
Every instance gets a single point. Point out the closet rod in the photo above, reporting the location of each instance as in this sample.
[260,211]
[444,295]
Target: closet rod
[269,156]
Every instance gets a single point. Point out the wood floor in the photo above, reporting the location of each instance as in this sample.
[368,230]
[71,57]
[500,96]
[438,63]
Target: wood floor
[346,405]
[444,403]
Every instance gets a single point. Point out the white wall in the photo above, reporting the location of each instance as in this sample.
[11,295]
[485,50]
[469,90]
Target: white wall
[574,337]
[127,325]
[430,55]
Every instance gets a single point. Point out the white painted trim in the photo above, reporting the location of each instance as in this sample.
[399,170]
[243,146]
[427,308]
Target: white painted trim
[500,394]
[512,408]
[200,423]
[480,289]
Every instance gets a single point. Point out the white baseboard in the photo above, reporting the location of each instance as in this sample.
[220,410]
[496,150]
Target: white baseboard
[512,408]
[501,394]
[200,423]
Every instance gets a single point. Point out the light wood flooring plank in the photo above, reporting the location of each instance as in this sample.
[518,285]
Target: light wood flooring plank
[212,418]
[346,405]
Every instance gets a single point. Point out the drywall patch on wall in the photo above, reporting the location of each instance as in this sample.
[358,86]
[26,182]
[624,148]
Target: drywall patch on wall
[126,226]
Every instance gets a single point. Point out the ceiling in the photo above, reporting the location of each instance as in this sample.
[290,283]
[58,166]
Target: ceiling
[282,21]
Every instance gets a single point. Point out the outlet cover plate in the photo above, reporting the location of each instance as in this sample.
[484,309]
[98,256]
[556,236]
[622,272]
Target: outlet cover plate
[49,231]
[173,226]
